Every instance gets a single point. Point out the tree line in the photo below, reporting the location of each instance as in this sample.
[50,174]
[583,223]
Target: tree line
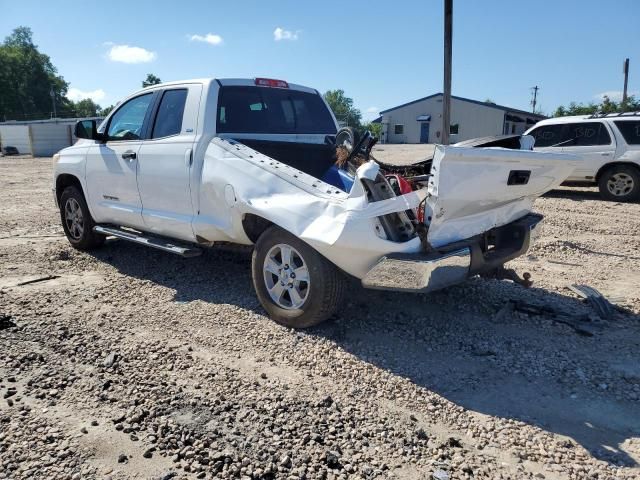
[605,106]
[30,85]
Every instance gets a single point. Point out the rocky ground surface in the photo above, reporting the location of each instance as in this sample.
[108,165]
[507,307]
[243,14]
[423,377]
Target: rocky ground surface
[131,363]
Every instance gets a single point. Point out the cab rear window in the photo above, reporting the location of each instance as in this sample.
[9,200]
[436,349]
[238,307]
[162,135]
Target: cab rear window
[272,110]
[630,130]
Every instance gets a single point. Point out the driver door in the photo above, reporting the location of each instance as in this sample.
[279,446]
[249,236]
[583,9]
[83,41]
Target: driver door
[112,166]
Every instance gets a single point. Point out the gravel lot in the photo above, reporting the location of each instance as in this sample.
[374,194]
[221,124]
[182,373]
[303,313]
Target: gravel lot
[131,363]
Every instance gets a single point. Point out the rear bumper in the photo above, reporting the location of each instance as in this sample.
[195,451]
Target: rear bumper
[454,263]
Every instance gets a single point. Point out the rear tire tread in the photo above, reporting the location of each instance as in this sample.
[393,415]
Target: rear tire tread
[630,170]
[327,282]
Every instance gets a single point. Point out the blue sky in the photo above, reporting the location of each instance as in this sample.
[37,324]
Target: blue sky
[381,53]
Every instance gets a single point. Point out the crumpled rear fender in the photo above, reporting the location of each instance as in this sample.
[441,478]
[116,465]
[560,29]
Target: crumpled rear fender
[237,180]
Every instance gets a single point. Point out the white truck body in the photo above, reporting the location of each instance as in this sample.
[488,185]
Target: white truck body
[199,186]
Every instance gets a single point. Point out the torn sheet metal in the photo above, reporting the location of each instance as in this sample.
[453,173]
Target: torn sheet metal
[467,195]
[469,192]
[339,225]
[600,304]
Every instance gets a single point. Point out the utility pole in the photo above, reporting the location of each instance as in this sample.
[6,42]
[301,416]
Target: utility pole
[535,98]
[625,70]
[446,91]
[53,102]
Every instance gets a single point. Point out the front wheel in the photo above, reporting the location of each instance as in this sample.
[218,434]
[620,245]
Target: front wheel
[77,221]
[297,286]
[620,183]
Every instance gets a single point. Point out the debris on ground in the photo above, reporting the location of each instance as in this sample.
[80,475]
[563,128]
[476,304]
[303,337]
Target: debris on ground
[600,304]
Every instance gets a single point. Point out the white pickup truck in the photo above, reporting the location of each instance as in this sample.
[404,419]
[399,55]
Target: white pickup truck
[183,165]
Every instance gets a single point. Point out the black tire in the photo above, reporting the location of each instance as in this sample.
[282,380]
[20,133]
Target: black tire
[620,183]
[79,232]
[324,290]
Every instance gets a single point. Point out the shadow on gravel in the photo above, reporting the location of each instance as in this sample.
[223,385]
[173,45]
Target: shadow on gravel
[577,194]
[220,275]
[528,368]
[525,367]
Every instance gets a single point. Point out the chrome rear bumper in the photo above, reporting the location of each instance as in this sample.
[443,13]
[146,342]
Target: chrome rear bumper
[419,273]
[452,264]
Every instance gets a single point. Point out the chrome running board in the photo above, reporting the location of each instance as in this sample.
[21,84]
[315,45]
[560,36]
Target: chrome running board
[165,244]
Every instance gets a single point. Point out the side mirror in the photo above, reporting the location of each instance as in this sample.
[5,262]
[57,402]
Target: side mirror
[88,129]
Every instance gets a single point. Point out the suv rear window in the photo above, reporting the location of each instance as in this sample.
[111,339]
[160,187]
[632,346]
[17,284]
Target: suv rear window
[585,134]
[630,130]
[547,135]
[582,134]
[272,110]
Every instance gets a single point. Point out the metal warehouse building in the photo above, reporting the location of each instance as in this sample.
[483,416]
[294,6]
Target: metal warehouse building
[420,121]
[40,138]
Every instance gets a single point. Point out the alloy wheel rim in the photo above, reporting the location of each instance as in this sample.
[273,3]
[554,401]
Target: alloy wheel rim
[73,218]
[286,276]
[620,184]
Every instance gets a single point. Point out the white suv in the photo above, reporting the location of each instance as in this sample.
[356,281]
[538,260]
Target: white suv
[609,147]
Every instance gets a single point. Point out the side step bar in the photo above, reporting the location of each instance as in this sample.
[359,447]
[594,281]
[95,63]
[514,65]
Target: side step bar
[150,241]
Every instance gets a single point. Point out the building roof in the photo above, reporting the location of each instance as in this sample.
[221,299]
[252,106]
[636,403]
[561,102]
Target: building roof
[477,102]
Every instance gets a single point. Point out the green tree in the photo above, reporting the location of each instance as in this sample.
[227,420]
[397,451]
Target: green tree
[86,108]
[375,128]
[150,80]
[27,78]
[106,111]
[605,106]
[343,108]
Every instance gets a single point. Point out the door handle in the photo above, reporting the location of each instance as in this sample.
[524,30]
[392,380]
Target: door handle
[605,154]
[129,155]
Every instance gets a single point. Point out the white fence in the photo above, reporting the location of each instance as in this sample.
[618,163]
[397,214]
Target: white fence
[16,136]
[47,139]
[39,138]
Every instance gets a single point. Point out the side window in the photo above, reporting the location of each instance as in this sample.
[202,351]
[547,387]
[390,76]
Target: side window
[549,135]
[587,134]
[398,129]
[126,123]
[170,112]
[630,130]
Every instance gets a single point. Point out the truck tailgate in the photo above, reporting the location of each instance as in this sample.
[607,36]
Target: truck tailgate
[473,190]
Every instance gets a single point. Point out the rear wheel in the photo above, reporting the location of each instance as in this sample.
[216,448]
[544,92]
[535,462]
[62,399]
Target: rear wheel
[620,183]
[296,285]
[77,221]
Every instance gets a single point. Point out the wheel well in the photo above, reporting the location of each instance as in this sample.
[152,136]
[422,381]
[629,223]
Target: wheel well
[254,226]
[606,167]
[66,180]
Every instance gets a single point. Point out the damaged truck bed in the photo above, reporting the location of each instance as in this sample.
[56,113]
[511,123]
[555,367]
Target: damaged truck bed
[257,165]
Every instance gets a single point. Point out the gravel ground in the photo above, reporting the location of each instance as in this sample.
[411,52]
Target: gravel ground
[132,363]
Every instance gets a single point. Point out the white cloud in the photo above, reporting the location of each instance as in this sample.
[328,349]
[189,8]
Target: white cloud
[128,54]
[372,110]
[76,94]
[615,95]
[282,34]
[210,38]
